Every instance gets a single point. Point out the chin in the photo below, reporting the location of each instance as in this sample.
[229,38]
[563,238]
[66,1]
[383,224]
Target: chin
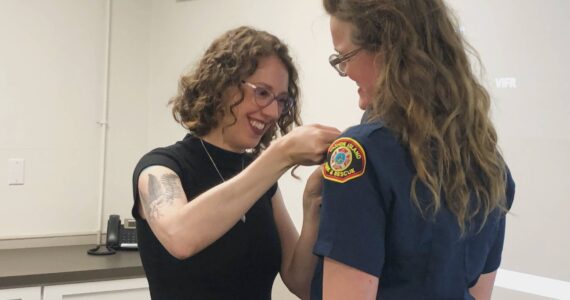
[252,144]
[363,102]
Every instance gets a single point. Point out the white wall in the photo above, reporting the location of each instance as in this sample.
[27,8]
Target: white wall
[51,87]
[52,70]
[128,102]
[529,41]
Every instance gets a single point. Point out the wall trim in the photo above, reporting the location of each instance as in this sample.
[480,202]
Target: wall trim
[533,284]
[49,241]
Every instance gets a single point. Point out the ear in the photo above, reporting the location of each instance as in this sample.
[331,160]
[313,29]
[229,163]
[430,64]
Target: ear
[379,59]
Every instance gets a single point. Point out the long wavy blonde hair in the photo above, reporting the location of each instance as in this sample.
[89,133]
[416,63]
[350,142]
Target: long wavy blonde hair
[428,95]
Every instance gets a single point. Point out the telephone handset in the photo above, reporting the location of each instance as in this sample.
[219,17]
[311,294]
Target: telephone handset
[121,236]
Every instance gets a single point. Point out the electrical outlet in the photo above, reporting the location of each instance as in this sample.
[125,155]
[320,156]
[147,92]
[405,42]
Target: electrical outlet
[16,171]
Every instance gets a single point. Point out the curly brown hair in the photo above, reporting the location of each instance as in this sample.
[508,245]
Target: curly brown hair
[428,95]
[199,105]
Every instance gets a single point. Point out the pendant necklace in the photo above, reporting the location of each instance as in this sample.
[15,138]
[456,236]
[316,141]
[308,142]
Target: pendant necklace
[217,170]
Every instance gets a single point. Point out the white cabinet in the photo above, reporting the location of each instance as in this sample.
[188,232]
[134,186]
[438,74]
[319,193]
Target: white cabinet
[124,289]
[29,293]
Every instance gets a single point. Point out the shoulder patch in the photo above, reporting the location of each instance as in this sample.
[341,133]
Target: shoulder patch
[346,160]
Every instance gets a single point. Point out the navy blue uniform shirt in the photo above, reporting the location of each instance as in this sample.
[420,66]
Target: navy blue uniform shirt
[369,222]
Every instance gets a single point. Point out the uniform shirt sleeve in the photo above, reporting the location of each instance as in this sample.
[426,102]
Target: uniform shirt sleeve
[494,258]
[352,224]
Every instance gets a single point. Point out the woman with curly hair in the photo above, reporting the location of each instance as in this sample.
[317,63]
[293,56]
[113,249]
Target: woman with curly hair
[414,200]
[211,221]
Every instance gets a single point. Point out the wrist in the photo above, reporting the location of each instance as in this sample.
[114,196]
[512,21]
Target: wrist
[278,150]
[310,224]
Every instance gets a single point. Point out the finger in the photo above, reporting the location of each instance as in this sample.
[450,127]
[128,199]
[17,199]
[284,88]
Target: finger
[326,141]
[330,133]
[324,127]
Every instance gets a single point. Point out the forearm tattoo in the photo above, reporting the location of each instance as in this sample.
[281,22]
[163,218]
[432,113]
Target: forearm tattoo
[161,193]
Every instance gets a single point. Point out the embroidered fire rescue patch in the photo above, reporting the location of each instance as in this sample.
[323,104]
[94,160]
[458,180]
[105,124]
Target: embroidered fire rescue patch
[346,160]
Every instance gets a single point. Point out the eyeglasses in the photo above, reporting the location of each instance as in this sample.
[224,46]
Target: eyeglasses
[264,97]
[338,62]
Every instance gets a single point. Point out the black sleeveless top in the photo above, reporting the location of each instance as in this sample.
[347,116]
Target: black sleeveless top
[242,264]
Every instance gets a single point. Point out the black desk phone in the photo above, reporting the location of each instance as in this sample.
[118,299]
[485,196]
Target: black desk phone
[121,236]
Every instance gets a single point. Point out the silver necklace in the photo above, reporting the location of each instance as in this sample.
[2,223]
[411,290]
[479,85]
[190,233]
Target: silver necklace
[217,170]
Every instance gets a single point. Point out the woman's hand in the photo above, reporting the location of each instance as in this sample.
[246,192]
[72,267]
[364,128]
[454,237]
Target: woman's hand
[307,145]
[312,195]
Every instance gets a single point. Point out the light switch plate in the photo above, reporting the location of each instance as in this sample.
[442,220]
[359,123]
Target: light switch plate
[16,171]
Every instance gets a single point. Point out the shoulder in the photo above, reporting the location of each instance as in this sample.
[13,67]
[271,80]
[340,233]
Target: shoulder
[164,156]
[374,139]
[366,147]
[363,130]
[176,150]
[347,155]
[371,134]
[173,157]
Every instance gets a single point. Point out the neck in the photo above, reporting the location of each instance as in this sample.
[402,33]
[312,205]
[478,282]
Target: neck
[216,138]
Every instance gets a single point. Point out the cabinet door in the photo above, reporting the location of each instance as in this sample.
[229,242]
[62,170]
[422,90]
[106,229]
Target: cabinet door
[29,293]
[124,289]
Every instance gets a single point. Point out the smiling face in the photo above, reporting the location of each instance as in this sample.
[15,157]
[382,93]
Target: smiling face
[361,68]
[251,121]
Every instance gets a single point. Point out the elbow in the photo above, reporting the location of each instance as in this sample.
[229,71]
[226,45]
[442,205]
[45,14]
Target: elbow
[179,246]
[180,252]
[304,295]
[303,292]
[300,288]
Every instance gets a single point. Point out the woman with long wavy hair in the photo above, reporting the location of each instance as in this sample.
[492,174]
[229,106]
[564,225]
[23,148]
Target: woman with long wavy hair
[415,198]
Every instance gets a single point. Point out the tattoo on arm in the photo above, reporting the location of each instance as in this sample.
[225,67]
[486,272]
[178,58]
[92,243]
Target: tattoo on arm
[153,188]
[161,193]
[172,189]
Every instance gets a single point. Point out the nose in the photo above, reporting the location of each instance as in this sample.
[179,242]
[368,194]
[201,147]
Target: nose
[271,110]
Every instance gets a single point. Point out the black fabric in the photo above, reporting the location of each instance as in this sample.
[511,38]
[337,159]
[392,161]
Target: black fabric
[242,264]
